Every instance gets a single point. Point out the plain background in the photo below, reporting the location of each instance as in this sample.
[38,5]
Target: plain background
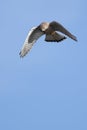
[47,89]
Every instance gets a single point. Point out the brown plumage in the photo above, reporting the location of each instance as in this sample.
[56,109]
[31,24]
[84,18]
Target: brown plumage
[51,30]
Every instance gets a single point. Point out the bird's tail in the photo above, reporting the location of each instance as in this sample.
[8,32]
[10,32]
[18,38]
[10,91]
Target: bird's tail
[54,37]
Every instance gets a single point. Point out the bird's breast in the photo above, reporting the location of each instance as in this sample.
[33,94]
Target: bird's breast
[49,31]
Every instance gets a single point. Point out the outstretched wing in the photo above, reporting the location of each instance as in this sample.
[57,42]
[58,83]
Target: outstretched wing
[32,36]
[58,27]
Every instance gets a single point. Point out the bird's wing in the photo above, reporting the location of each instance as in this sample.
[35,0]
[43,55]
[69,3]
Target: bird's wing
[58,27]
[32,36]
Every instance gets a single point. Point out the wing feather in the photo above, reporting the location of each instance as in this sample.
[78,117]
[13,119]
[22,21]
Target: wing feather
[31,38]
[58,27]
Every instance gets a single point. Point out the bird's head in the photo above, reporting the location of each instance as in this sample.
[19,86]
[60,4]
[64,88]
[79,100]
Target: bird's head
[44,26]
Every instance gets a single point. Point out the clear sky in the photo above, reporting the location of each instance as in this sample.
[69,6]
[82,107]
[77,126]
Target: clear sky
[47,89]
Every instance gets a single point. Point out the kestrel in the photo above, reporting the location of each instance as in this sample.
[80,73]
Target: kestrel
[50,30]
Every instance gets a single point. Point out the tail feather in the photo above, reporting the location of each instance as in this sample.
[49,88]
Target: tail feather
[55,37]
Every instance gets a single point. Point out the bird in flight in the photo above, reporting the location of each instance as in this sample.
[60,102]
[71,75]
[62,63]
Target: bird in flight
[50,30]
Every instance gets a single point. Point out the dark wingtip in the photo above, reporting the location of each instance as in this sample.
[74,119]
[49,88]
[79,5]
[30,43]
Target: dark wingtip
[20,55]
[74,38]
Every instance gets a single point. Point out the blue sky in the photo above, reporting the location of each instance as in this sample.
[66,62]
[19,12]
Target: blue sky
[47,89]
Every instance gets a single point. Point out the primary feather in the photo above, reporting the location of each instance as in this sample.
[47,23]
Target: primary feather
[58,27]
[32,36]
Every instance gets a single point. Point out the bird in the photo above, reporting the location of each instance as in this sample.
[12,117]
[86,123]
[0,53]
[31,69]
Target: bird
[51,30]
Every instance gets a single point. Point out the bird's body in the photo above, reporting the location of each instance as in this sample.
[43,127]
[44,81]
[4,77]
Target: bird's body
[51,30]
